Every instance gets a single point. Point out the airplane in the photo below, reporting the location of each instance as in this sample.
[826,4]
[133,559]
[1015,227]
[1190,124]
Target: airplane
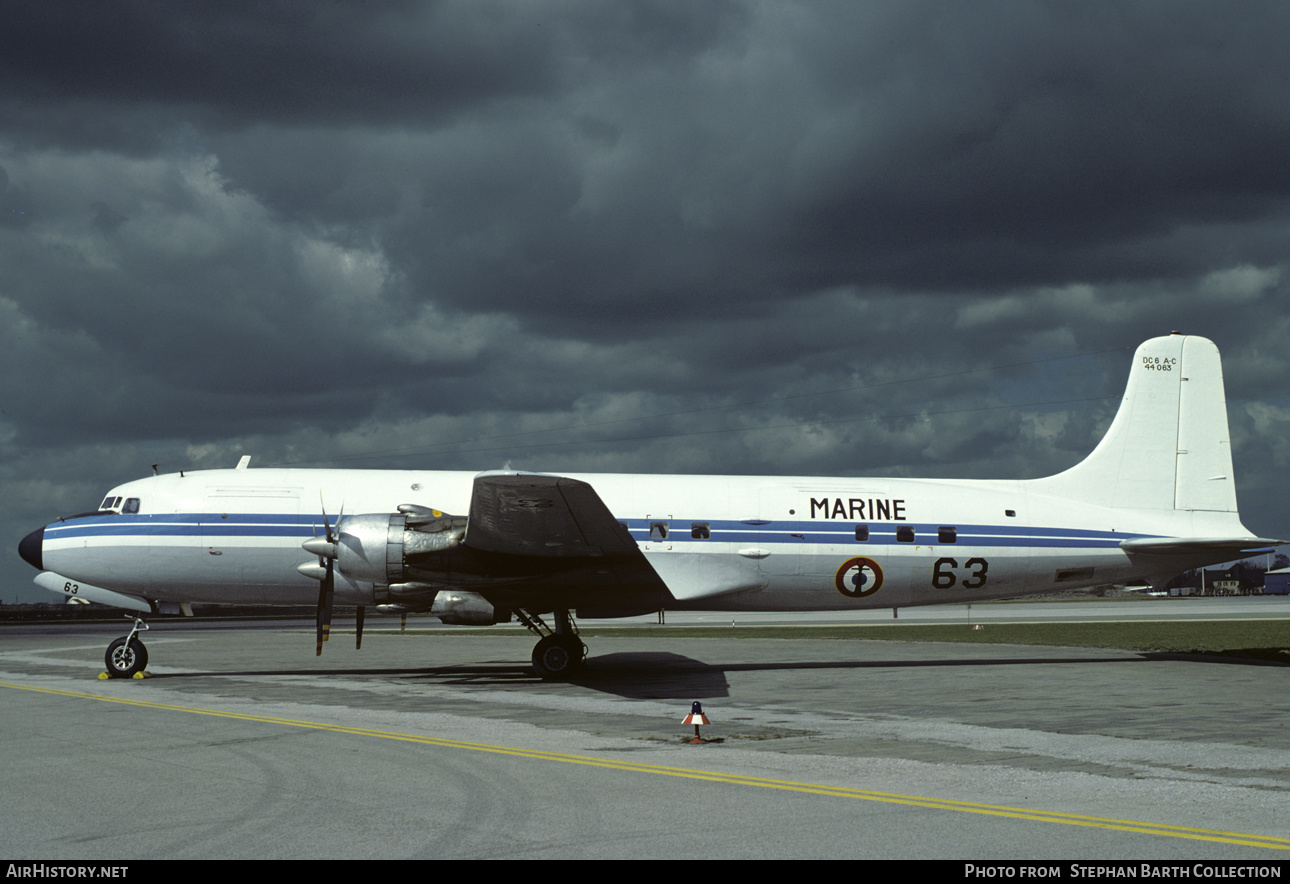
[1154,498]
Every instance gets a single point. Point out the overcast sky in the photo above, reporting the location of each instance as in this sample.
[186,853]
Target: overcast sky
[886,238]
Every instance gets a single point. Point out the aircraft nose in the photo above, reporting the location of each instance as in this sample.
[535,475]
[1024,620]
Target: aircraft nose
[31,548]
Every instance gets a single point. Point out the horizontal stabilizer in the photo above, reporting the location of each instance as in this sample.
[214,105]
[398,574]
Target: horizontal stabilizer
[1237,546]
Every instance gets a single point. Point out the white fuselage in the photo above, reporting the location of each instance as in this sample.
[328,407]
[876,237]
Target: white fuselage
[718,542]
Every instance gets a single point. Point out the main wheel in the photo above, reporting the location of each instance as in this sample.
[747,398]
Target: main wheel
[124,660]
[558,656]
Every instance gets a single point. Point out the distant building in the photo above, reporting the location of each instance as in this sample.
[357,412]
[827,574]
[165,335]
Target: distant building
[1277,582]
[1239,579]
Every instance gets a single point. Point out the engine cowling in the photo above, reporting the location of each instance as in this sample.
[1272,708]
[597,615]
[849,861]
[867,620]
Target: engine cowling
[374,548]
[467,609]
[370,548]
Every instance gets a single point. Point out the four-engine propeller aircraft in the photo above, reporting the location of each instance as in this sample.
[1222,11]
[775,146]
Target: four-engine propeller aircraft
[1155,498]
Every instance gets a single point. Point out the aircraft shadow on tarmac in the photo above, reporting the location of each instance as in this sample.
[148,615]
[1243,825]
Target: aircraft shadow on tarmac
[673,676]
[644,675]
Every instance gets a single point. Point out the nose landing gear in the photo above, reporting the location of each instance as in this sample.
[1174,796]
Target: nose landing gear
[127,655]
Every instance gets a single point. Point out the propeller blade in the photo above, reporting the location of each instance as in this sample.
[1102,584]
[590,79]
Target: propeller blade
[326,523]
[331,538]
[358,644]
[325,594]
[327,548]
[340,517]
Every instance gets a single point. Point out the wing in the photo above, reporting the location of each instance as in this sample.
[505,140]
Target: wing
[550,541]
[532,514]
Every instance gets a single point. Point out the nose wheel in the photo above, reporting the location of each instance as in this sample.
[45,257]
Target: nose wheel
[125,658]
[127,655]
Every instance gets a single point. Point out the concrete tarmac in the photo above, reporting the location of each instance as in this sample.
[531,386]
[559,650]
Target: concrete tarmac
[243,744]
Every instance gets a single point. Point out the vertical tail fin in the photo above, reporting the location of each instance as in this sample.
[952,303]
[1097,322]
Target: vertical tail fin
[1168,447]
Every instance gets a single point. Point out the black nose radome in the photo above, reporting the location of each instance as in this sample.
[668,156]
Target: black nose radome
[31,548]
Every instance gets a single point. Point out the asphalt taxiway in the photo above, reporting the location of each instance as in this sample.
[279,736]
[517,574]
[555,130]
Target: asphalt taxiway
[244,744]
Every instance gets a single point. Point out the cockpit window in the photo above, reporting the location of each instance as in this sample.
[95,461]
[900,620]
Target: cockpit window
[110,503]
[131,505]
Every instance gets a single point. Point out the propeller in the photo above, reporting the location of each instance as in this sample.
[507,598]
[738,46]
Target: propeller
[327,591]
[326,548]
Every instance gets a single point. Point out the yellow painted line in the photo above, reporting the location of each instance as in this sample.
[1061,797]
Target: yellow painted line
[1019,813]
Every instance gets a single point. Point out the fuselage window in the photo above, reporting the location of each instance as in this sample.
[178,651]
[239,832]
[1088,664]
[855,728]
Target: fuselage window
[658,530]
[862,533]
[700,530]
[131,505]
[905,534]
[946,534]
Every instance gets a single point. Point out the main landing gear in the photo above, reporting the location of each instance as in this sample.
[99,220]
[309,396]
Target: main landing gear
[127,655]
[559,653]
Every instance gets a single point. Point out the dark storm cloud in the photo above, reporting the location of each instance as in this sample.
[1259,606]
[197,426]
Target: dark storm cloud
[235,64]
[232,64]
[698,237]
[906,146]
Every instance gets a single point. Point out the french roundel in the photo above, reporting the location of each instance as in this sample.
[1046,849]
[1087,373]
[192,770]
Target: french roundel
[858,577]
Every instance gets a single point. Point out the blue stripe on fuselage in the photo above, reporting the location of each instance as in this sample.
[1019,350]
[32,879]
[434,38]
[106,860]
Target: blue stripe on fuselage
[721,531]
[925,534]
[180,524]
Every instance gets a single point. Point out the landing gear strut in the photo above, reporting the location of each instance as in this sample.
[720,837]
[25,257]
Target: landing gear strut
[559,653]
[127,655]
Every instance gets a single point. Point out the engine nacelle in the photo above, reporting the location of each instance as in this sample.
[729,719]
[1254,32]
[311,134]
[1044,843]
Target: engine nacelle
[413,595]
[375,547]
[466,609]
